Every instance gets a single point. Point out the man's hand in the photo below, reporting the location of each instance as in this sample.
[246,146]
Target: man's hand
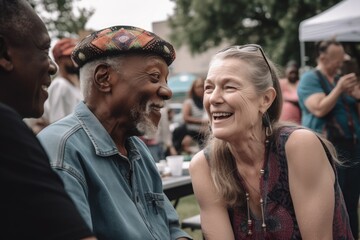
[347,82]
[355,92]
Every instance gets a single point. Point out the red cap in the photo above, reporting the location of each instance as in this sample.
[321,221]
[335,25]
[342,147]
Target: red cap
[64,47]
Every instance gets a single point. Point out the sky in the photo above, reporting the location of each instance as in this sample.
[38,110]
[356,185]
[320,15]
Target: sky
[139,13]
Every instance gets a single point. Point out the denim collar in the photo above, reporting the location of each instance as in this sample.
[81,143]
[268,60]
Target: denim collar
[100,138]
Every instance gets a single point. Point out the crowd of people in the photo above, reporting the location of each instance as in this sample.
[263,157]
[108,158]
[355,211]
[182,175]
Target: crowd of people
[277,158]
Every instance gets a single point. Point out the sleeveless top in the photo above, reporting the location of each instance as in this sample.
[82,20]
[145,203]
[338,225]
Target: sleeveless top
[195,112]
[279,213]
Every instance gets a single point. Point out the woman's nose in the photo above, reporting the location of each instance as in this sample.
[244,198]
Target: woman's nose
[215,96]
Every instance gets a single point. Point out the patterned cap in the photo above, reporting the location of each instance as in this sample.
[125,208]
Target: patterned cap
[118,40]
[64,47]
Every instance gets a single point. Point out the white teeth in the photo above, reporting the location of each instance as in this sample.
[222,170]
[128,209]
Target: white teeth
[221,114]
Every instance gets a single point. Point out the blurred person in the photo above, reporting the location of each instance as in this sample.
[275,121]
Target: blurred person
[258,178]
[330,105]
[194,118]
[161,144]
[106,168]
[64,91]
[33,203]
[290,109]
[193,111]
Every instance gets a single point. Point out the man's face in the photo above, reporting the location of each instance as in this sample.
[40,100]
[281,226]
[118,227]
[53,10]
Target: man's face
[292,74]
[140,91]
[32,67]
[333,59]
[66,64]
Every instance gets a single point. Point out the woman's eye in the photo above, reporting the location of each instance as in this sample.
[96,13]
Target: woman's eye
[208,89]
[229,87]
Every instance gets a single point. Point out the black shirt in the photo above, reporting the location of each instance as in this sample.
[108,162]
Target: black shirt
[33,202]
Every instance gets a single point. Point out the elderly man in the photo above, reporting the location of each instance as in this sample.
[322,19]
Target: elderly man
[107,170]
[33,202]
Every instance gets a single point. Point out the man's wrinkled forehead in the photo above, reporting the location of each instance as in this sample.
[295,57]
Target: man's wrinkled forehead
[146,63]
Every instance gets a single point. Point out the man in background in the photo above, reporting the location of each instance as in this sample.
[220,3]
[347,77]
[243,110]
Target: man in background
[64,91]
[161,144]
[290,110]
[330,105]
[33,202]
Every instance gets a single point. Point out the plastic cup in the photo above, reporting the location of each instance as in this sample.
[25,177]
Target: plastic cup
[175,164]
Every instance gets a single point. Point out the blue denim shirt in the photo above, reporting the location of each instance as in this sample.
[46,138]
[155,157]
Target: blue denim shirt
[119,197]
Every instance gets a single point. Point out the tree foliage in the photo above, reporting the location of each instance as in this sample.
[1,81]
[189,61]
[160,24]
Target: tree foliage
[202,24]
[61,17]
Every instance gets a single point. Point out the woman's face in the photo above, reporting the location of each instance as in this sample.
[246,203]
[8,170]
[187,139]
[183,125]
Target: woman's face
[230,100]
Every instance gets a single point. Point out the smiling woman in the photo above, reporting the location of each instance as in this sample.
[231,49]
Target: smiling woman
[251,157]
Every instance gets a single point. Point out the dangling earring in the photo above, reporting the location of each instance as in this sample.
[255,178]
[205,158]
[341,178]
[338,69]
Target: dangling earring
[267,124]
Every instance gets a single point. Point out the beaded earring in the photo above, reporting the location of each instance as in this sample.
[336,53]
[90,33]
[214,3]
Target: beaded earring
[267,124]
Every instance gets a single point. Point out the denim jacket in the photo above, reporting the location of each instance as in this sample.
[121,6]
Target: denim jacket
[119,197]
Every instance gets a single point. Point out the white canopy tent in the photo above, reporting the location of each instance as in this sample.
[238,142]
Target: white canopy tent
[342,22]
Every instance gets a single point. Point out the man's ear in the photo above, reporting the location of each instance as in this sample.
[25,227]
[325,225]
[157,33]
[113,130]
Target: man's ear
[5,60]
[267,99]
[102,78]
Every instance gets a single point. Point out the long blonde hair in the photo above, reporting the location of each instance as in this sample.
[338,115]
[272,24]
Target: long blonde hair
[222,164]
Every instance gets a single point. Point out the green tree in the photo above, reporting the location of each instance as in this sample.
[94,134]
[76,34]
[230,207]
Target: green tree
[202,24]
[61,17]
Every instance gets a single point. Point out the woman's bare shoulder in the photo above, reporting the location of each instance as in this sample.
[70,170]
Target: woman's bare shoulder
[198,161]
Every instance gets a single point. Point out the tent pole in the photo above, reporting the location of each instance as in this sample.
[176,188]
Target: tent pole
[302,53]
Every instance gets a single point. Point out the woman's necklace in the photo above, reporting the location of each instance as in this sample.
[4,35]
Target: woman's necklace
[249,220]
[262,204]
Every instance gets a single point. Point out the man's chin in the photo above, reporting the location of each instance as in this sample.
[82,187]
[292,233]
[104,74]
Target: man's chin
[146,128]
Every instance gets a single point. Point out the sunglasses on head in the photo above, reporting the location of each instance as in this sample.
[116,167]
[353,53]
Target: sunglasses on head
[249,48]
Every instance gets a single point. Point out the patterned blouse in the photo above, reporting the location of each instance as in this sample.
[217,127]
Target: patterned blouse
[280,218]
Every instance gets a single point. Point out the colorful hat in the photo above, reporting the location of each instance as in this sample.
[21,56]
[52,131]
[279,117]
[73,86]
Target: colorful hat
[118,40]
[64,47]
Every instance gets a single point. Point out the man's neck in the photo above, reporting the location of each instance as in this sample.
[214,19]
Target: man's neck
[329,76]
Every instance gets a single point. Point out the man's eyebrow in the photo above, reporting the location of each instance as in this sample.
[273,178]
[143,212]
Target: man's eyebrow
[45,44]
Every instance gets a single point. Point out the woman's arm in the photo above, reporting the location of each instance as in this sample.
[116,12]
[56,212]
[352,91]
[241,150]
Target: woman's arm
[215,222]
[311,181]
